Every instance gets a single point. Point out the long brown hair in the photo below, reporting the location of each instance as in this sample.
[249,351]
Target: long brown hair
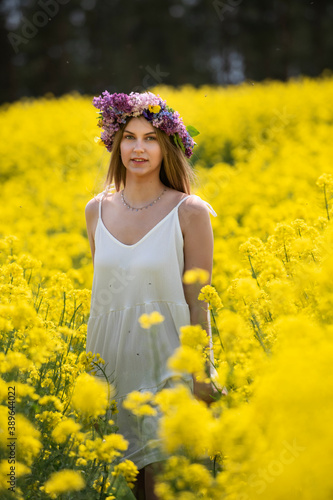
[175,172]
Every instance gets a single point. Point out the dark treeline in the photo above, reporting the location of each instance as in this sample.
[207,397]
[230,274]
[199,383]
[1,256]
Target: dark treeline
[88,45]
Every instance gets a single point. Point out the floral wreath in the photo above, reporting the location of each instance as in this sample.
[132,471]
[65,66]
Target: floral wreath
[116,108]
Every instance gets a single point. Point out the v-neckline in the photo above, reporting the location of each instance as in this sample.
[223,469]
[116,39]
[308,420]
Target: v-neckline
[143,237]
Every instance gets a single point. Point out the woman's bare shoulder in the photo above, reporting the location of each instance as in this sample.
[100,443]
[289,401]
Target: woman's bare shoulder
[194,204]
[91,208]
[193,212]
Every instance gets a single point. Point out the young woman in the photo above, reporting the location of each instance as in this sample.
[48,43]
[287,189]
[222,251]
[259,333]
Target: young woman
[143,236]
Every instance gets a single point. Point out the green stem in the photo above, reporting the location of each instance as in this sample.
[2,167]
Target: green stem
[47,311]
[326,204]
[106,378]
[40,303]
[258,331]
[254,274]
[153,333]
[63,311]
[73,316]
[102,495]
[37,295]
[285,251]
[217,330]
[30,277]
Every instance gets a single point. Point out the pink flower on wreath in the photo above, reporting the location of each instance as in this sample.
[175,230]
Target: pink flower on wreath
[116,108]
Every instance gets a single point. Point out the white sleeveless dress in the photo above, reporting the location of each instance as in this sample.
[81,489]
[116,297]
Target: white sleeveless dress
[128,281]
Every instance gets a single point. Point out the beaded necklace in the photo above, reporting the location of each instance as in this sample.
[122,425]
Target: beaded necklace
[147,206]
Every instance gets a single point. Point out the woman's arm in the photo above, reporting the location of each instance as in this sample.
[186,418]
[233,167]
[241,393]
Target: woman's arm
[91,213]
[198,252]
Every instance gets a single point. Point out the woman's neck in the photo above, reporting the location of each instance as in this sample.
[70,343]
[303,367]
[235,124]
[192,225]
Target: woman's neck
[137,194]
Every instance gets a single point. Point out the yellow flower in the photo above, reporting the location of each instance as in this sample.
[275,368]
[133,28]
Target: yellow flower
[90,396]
[186,424]
[97,485]
[252,247]
[154,109]
[194,479]
[187,360]
[98,141]
[81,461]
[64,429]
[127,469]
[147,320]
[63,481]
[136,402]
[325,180]
[196,275]
[52,418]
[193,336]
[52,399]
[110,447]
[14,360]
[245,289]
[210,295]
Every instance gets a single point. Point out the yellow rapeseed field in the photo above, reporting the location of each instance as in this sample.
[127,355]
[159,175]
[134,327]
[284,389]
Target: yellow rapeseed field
[264,162]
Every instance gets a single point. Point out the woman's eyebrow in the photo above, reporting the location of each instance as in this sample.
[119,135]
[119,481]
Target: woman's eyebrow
[148,133]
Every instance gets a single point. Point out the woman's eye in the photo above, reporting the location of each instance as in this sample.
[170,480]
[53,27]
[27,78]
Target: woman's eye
[132,137]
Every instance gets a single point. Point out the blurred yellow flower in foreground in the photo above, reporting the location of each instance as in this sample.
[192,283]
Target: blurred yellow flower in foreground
[185,359]
[90,396]
[148,320]
[196,275]
[136,401]
[62,482]
[64,429]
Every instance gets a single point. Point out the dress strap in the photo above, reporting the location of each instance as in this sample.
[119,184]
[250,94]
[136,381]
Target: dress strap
[210,208]
[109,187]
[181,201]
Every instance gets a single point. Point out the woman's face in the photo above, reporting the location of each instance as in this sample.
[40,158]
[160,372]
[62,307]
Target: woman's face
[139,148]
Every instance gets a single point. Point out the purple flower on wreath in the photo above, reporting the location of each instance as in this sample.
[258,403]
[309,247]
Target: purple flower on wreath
[121,103]
[116,108]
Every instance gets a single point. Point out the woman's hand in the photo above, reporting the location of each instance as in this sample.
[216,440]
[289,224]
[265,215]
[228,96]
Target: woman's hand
[204,392]
[207,392]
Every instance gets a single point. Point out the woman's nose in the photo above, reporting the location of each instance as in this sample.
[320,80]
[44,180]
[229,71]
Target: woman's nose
[138,146]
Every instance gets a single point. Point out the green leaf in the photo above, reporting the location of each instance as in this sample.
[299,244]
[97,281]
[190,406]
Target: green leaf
[169,109]
[192,131]
[123,490]
[179,142]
